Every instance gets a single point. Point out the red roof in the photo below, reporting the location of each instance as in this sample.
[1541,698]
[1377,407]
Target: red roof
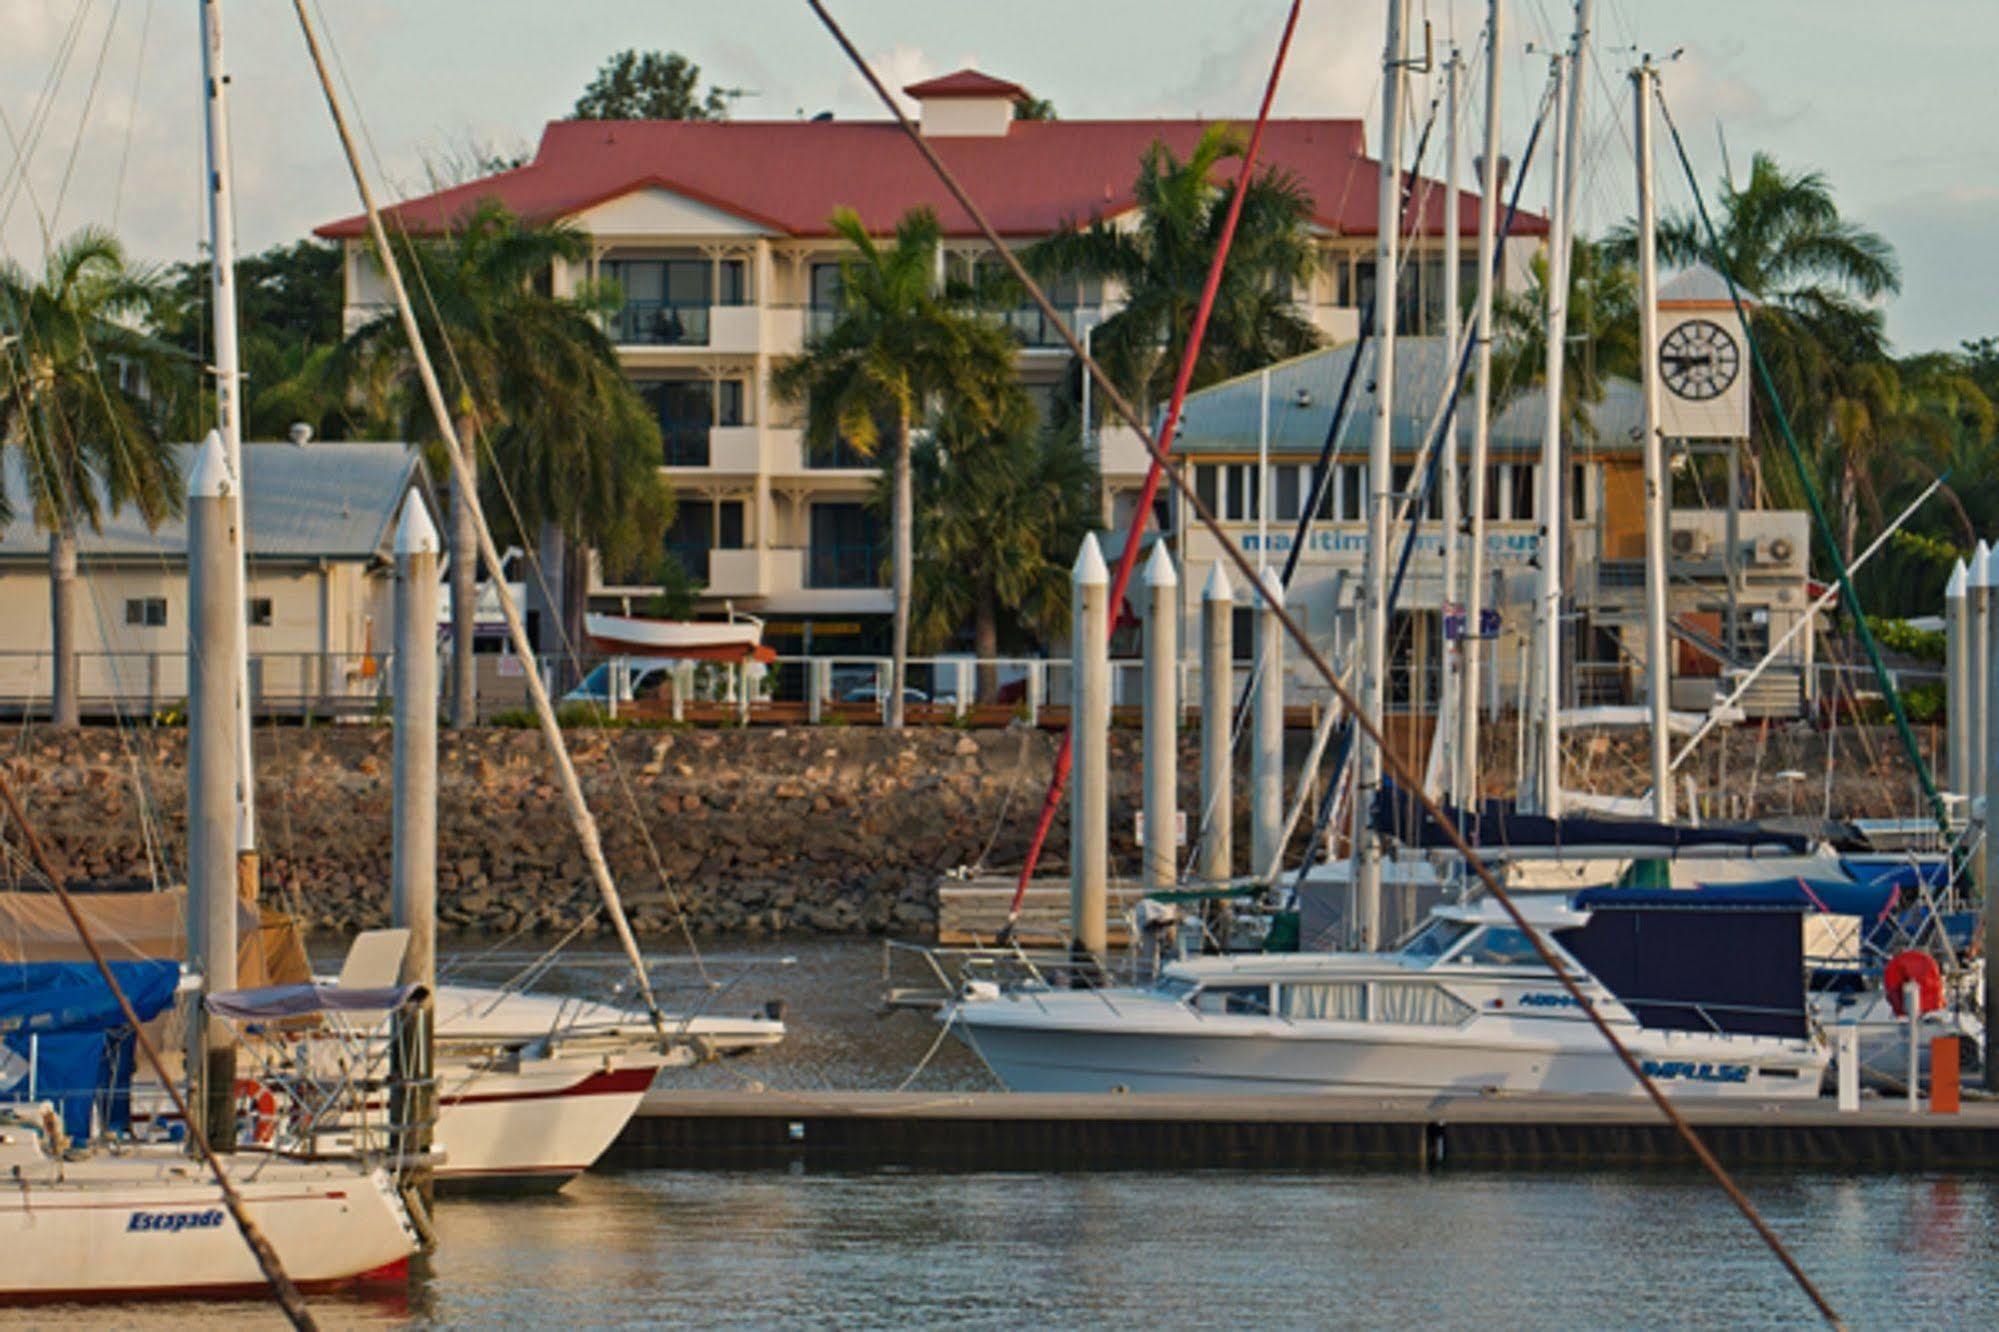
[789,176]
[965,83]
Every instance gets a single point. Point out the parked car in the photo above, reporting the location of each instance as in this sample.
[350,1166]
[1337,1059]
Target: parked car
[870,693]
[644,677]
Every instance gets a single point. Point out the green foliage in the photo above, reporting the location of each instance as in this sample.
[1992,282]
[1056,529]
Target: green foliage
[678,590]
[1163,262]
[1602,328]
[1926,704]
[651,85]
[1903,637]
[1034,108]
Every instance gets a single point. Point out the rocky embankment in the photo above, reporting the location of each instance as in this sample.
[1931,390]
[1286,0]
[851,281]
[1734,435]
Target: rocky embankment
[830,830]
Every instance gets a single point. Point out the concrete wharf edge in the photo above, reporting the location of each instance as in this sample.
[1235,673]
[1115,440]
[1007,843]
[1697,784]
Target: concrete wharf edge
[1051,1131]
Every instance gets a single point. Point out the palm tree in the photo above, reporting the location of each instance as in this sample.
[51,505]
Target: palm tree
[1001,509]
[536,381]
[898,347]
[1162,264]
[1602,331]
[74,400]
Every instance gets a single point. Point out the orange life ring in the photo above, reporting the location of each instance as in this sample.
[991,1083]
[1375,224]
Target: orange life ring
[262,1109]
[1920,968]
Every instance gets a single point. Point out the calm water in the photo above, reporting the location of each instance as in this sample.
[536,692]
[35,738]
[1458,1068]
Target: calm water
[1199,1249]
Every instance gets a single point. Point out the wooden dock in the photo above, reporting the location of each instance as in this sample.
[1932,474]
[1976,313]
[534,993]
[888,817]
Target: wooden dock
[1009,1131]
[971,912]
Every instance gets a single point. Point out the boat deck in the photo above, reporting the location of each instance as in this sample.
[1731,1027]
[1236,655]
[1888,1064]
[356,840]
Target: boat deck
[1009,1131]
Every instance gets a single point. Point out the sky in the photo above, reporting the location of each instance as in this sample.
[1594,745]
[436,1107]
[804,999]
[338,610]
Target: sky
[1892,104]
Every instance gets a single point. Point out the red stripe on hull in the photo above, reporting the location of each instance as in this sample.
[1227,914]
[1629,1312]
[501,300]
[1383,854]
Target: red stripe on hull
[389,1274]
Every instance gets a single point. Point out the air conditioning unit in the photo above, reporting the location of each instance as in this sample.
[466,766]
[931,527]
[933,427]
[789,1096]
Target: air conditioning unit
[1773,551]
[1689,543]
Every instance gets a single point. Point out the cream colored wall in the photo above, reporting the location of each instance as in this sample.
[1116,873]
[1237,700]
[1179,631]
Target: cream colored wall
[138,662]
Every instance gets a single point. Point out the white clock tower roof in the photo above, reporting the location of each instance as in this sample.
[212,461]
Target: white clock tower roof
[1698,288]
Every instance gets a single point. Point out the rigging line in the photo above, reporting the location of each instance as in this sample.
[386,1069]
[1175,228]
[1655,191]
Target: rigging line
[460,453]
[83,118]
[1393,765]
[1142,508]
[282,1289]
[39,115]
[1849,594]
[483,445]
[132,115]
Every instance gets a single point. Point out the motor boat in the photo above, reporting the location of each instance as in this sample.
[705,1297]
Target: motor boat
[1465,1006]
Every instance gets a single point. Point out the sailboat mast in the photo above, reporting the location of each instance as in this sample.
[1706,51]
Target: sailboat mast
[228,402]
[1443,768]
[1657,503]
[1380,473]
[1466,782]
[1543,793]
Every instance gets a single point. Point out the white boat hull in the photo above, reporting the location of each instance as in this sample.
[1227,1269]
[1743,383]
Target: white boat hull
[153,1225]
[1362,1059]
[535,1127]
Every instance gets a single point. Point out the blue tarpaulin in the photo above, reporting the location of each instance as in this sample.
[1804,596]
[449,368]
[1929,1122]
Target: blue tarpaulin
[1836,896]
[66,1038]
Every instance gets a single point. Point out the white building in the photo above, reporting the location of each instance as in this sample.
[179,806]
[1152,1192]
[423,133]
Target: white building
[321,519]
[718,234]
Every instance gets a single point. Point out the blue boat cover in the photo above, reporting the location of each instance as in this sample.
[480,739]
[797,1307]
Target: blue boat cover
[63,1035]
[1932,873]
[1496,824]
[1837,897]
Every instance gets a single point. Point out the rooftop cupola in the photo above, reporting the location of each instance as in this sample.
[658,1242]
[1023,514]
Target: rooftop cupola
[966,104]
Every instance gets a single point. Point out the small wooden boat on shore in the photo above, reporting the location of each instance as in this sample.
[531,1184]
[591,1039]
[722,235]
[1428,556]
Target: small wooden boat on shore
[689,640]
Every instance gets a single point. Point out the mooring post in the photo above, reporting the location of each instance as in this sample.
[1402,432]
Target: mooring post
[1956,681]
[1266,776]
[413,855]
[1217,704]
[1090,729]
[1978,665]
[214,630]
[1162,720]
[1984,744]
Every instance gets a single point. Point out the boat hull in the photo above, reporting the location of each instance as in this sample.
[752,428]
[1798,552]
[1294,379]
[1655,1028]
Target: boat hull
[107,1231]
[1236,1058]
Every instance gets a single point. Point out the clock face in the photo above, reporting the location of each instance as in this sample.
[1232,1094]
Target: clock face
[1699,360]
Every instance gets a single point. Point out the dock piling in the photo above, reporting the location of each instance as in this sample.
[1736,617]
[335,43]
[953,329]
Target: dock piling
[1983,655]
[214,629]
[1090,725]
[1162,720]
[413,855]
[1217,703]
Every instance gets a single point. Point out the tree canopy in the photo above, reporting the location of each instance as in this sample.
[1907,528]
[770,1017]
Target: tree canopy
[651,85]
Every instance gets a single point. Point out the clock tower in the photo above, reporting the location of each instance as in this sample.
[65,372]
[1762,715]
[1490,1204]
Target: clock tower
[1704,367]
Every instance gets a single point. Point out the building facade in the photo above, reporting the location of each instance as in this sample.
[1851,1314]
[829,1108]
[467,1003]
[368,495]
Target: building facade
[718,235]
[318,604]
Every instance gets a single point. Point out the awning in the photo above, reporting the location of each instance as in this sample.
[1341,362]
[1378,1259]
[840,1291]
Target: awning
[272,1002]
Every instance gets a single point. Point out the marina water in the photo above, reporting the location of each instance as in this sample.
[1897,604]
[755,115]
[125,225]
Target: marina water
[1453,1248]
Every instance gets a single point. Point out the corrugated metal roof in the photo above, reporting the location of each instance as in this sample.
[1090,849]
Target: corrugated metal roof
[1223,418]
[334,501]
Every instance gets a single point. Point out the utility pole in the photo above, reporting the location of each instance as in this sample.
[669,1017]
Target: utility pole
[1658,501]
[229,414]
[1481,435]
[214,632]
[1380,474]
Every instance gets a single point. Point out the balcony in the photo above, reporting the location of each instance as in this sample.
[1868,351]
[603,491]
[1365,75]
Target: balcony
[788,589]
[735,448]
[661,324]
[844,565]
[735,573]
[1035,331]
[787,454]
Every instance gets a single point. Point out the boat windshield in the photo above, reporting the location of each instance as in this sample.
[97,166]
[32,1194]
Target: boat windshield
[1501,946]
[1434,940]
[1175,988]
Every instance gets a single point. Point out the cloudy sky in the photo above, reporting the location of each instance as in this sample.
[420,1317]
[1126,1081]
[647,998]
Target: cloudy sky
[103,93]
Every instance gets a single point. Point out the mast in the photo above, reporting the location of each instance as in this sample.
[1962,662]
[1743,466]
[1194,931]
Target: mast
[1442,774]
[1543,794]
[1657,502]
[228,405]
[1380,471]
[1466,787]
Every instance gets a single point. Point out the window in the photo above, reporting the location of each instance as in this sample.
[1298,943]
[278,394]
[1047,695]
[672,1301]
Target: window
[1351,506]
[1290,481]
[258,611]
[826,286]
[846,547]
[1242,500]
[1578,492]
[729,525]
[1434,940]
[666,300]
[1206,486]
[146,612]
[1509,493]
[687,409]
[690,538]
[1500,946]
[1249,999]
[1345,1001]
[1419,1005]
